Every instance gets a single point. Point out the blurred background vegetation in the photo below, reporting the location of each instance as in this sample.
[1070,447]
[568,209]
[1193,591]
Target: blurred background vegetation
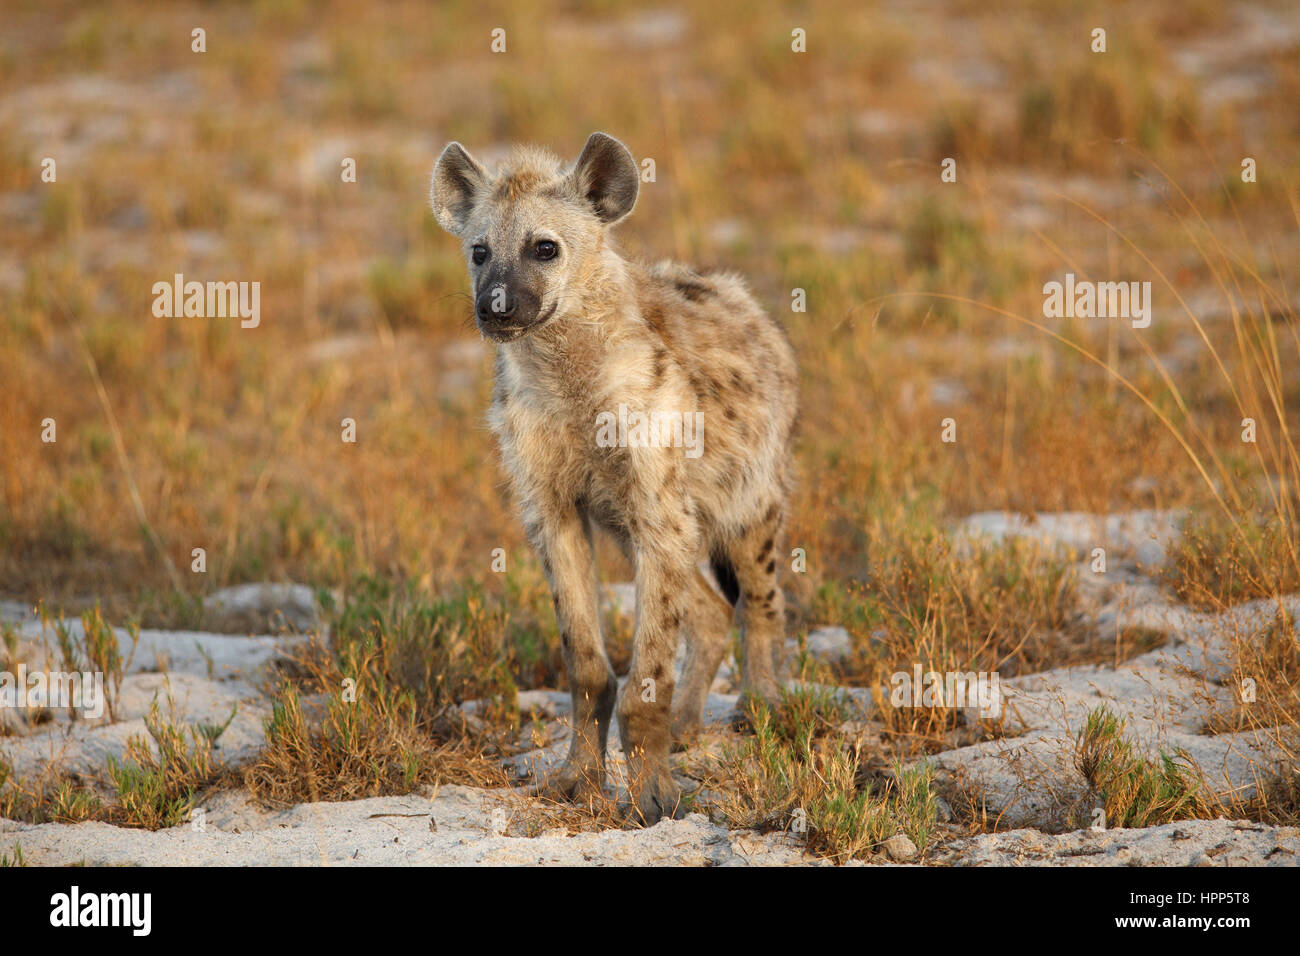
[816,170]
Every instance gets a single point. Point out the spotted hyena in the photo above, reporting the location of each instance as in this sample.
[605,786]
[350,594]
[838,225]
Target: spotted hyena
[591,348]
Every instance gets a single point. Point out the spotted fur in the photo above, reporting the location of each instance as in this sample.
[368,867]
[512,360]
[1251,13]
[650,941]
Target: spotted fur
[583,333]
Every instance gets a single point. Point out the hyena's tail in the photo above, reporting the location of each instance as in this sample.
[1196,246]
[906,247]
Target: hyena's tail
[725,572]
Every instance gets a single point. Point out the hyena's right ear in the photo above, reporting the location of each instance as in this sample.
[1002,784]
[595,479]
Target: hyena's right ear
[457,178]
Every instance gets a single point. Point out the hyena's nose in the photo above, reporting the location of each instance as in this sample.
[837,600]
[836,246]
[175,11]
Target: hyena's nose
[496,304]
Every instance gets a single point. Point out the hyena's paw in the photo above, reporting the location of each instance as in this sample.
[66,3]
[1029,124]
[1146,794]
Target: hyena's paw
[653,798]
[573,782]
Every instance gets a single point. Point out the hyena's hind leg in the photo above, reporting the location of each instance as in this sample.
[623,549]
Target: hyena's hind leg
[563,541]
[761,607]
[708,623]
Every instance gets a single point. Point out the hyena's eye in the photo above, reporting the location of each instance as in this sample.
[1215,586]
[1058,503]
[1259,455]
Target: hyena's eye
[546,250]
[479,255]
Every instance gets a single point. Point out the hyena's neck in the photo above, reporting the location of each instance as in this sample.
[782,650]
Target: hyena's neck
[598,309]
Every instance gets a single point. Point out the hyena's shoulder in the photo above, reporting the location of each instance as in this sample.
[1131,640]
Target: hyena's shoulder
[707,313]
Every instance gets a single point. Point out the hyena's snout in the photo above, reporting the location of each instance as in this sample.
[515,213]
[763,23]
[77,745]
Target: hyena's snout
[505,311]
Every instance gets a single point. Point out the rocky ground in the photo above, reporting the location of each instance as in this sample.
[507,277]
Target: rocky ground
[1026,778]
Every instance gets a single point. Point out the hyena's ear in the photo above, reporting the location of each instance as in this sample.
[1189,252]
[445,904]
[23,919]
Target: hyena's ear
[457,178]
[606,175]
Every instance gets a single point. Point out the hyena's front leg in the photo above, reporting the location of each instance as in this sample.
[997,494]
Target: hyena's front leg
[563,541]
[665,551]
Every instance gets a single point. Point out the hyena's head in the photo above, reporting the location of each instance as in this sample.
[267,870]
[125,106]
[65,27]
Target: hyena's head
[529,228]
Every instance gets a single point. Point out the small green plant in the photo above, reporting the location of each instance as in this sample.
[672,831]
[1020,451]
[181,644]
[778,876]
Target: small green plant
[213,732]
[156,784]
[788,776]
[95,649]
[1134,791]
[72,802]
[368,737]
[443,650]
[15,860]
[55,797]
[807,712]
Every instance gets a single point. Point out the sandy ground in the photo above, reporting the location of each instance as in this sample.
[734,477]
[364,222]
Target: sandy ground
[1027,777]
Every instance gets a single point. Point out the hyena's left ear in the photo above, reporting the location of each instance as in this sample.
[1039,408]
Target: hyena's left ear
[606,176]
[457,178]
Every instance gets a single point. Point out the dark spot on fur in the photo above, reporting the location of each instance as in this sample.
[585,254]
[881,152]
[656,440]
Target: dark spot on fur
[770,594]
[654,318]
[765,549]
[729,413]
[694,291]
[771,566]
[703,385]
[770,615]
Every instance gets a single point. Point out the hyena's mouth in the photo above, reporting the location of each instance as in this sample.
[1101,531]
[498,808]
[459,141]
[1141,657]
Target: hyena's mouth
[511,333]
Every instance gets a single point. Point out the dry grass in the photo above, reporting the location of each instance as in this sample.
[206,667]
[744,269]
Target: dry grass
[1007,609]
[1265,679]
[54,797]
[374,746]
[1224,561]
[375,714]
[95,649]
[530,816]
